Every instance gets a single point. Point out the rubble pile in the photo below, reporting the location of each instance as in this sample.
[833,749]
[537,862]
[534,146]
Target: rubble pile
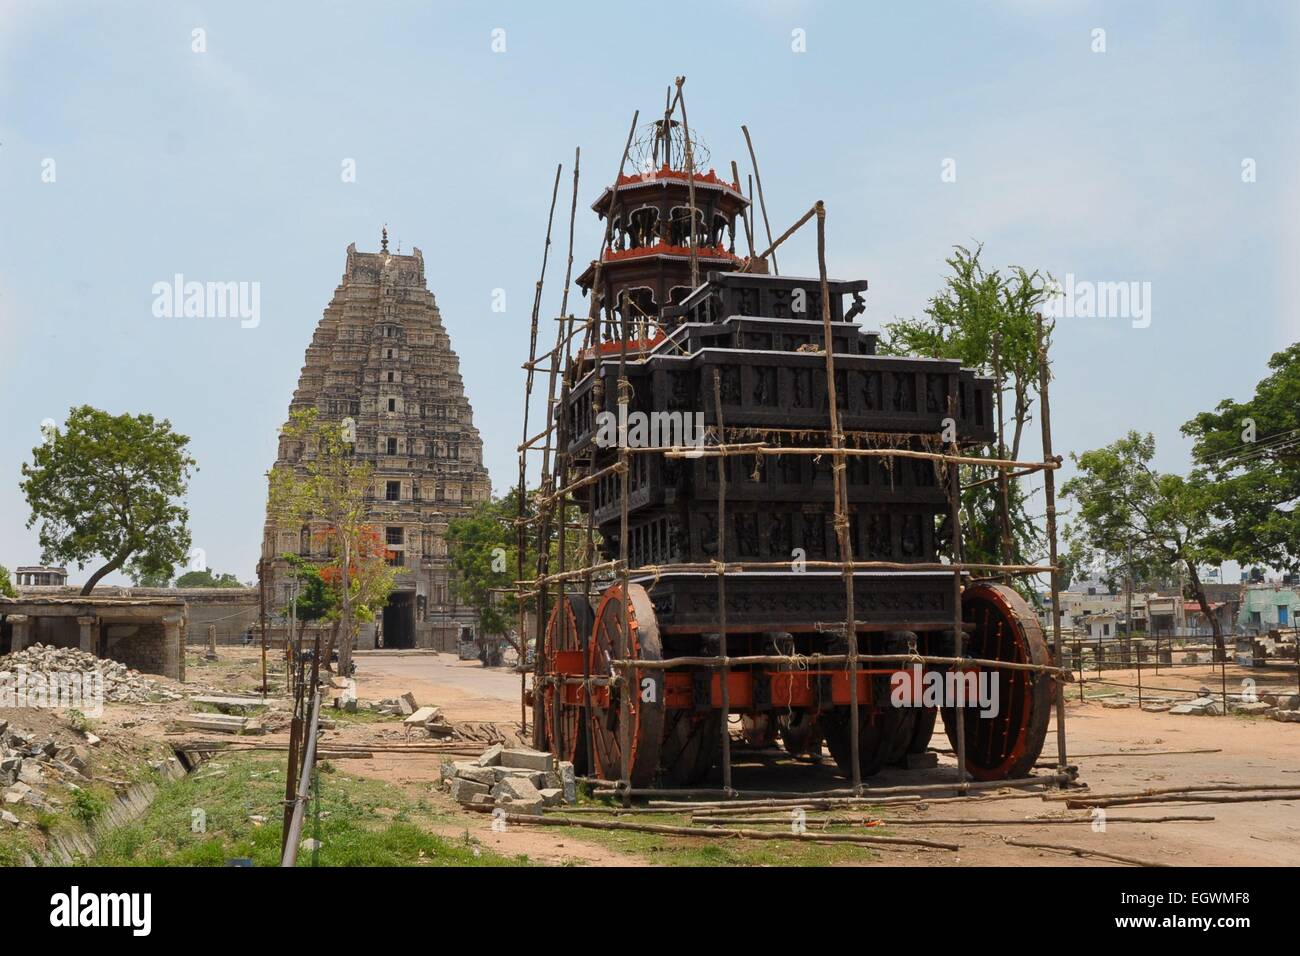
[31,767]
[517,779]
[1279,705]
[122,684]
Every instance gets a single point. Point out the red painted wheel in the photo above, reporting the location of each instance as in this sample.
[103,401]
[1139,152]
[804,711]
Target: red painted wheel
[563,704]
[1005,743]
[631,714]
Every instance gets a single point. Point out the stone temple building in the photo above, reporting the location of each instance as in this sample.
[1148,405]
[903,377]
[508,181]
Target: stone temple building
[381,357]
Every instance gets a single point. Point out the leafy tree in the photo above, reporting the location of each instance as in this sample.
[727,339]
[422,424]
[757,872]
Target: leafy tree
[324,482]
[315,599]
[1249,455]
[976,314]
[206,579]
[484,553]
[109,486]
[370,579]
[1134,519]
[7,588]
[144,579]
[977,317]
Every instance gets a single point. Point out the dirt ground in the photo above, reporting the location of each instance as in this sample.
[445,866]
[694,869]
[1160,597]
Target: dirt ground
[1105,744]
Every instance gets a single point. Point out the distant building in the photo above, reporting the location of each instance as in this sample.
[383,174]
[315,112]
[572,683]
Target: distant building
[38,576]
[1266,607]
[381,363]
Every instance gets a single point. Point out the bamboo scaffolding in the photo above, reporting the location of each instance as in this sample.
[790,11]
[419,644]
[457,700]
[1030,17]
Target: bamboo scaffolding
[558,490]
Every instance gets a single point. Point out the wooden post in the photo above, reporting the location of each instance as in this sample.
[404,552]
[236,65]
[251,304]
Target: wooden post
[840,492]
[723,463]
[1049,493]
[761,202]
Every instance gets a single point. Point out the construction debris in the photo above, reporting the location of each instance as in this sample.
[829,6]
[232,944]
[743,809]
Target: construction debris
[30,767]
[524,781]
[223,723]
[121,684]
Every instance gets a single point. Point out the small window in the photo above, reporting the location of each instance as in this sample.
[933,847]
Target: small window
[393,535]
[392,404]
[393,491]
[396,559]
[392,447]
[390,376]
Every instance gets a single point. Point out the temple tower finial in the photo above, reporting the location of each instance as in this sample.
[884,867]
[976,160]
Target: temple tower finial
[383,243]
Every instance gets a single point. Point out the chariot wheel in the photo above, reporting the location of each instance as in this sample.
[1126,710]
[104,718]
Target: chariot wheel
[630,714]
[879,728]
[1006,744]
[800,734]
[563,705]
[692,745]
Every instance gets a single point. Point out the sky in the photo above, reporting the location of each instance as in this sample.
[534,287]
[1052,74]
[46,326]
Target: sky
[1153,143]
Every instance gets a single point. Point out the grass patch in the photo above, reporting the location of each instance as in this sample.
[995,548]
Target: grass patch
[358,716]
[87,806]
[363,823]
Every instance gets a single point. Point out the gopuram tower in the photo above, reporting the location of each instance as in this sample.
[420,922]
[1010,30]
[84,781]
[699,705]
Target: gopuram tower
[381,357]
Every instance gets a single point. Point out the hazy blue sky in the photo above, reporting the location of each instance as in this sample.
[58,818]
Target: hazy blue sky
[1123,165]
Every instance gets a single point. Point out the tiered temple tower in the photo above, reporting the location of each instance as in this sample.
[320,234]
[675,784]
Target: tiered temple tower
[381,357]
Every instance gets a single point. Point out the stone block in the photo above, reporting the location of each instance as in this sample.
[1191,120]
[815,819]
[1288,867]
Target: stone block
[406,703]
[1257,707]
[483,775]
[568,782]
[491,757]
[532,808]
[515,788]
[463,790]
[552,796]
[9,818]
[528,759]
[1287,716]
[418,717]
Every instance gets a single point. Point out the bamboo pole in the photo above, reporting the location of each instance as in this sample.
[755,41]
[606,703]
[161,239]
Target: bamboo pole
[1085,851]
[868,820]
[723,465]
[1049,493]
[716,832]
[762,203]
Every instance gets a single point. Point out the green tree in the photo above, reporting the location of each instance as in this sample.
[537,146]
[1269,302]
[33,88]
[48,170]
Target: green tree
[206,579]
[1131,519]
[1248,453]
[483,551]
[324,482]
[110,486]
[989,322]
[145,579]
[7,588]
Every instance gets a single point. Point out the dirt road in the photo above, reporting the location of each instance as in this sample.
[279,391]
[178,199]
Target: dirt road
[1246,751]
